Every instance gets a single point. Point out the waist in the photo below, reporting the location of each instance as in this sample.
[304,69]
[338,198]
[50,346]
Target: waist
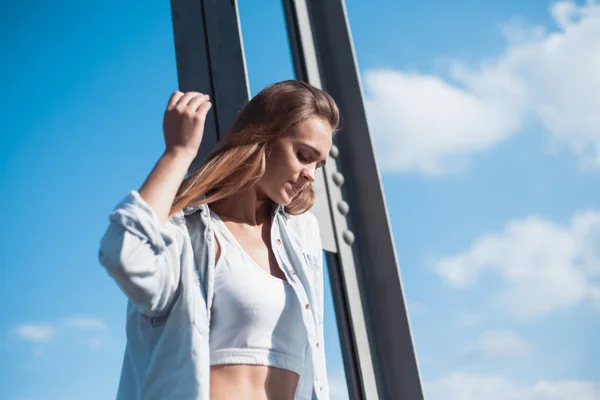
[252,382]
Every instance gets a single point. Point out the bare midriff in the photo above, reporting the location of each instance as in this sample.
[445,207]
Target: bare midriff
[251,382]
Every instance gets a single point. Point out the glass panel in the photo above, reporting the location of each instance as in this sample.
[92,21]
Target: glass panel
[485,122]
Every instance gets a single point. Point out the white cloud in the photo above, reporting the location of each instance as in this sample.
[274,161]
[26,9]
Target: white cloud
[88,323]
[543,266]
[429,125]
[469,319]
[423,124]
[44,333]
[463,386]
[496,345]
[35,332]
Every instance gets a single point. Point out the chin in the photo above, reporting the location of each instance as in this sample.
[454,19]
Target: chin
[283,198]
[283,195]
[280,199]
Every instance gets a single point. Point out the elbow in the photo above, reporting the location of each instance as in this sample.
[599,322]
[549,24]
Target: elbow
[132,263]
[120,251]
[111,254]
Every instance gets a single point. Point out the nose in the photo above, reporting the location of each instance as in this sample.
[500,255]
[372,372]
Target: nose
[309,175]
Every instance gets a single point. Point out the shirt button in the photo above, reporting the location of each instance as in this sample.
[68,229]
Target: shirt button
[307,306]
[317,345]
[292,271]
[278,241]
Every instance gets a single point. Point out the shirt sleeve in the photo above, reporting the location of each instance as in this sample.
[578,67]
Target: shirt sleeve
[142,254]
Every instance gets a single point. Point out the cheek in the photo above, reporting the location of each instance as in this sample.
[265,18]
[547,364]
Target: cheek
[275,176]
[283,166]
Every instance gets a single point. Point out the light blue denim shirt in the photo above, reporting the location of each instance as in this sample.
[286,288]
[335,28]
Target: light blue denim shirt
[167,272]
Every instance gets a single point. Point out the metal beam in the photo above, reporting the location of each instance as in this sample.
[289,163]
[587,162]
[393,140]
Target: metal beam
[210,59]
[365,275]
[351,324]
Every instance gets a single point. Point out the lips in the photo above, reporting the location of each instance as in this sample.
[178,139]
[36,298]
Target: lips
[296,188]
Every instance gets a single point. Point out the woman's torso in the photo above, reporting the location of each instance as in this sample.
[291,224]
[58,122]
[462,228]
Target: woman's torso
[251,382]
[167,272]
[244,254]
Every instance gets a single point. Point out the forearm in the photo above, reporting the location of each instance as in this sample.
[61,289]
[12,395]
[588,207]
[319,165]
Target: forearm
[161,186]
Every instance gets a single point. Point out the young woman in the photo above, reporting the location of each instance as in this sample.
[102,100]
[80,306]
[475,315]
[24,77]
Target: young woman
[223,268]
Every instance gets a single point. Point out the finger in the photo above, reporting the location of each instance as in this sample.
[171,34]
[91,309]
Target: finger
[203,109]
[185,99]
[174,99]
[196,102]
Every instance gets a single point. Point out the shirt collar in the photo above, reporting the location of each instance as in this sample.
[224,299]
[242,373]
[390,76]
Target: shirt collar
[279,209]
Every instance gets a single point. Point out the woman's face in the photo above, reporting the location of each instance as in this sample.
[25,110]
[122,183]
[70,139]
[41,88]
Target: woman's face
[294,159]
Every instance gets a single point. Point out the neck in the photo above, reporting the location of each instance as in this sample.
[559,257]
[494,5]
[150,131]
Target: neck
[247,207]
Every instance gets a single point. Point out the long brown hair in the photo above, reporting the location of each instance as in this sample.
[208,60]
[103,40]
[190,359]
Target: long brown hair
[239,159]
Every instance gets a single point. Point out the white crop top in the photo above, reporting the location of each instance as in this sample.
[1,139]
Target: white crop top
[258,323]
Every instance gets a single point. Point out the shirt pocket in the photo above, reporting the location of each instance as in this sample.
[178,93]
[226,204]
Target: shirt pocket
[315,275]
[313,262]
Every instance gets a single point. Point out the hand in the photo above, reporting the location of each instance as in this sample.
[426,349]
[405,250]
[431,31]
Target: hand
[184,119]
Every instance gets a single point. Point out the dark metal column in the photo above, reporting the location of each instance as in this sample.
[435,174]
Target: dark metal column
[370,307]
[210,59]
[356,352]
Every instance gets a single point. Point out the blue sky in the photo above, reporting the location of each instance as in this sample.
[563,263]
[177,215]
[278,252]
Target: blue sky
[484,118]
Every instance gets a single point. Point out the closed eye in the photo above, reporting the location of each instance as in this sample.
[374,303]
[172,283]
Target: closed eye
[301,157]
[313,156]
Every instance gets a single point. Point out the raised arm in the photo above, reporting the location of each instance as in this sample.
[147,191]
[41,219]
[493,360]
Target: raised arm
[140,248]
[183,129]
